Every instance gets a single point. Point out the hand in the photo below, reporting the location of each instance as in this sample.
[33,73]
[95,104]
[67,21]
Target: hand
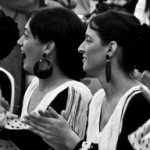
[53,128]
[4,106]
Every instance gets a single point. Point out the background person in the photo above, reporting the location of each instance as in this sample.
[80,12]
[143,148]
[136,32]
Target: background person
[18,10]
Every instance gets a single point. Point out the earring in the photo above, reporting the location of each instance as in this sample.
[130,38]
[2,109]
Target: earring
[43,68]
[108,69]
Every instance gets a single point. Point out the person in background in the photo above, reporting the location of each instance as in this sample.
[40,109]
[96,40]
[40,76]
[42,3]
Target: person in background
[115,44]
[70,4]
[18,10]
[142,11]
[49,45]
[83,7]
[9,34]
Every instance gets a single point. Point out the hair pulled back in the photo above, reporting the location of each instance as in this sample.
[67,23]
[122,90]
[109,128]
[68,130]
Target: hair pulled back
[125,29]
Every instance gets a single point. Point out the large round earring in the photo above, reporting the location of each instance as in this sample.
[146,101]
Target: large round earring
[108,69]
[43,68]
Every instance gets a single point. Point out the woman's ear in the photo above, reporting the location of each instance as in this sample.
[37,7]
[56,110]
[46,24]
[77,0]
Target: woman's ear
[49,47]
[112,48]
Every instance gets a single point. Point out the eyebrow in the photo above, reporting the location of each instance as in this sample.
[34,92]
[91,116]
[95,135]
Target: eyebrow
[87,35]
[26,29]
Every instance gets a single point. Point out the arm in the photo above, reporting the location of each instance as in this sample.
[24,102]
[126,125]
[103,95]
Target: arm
[19,5]
[137,113]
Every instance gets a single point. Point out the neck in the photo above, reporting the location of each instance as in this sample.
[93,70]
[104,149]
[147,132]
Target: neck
[118,85]
[53,81]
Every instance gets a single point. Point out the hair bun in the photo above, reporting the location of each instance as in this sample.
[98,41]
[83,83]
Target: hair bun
[141,46]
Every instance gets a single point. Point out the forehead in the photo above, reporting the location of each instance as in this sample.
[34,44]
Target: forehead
[92,33]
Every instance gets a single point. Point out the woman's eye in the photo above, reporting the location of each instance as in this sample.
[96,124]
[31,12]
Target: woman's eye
[25,36]
[88,40]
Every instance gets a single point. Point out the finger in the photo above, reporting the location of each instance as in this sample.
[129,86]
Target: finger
[44,114]
[36,118]
[53,113]
[4,104]
[45,129]
[2,110]
[42,122]
[64,114]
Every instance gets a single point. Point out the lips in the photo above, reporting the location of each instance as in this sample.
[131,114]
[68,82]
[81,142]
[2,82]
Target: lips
[23,55]
[84,59]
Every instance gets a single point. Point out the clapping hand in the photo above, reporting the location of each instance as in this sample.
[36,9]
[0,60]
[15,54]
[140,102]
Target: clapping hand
[52,127]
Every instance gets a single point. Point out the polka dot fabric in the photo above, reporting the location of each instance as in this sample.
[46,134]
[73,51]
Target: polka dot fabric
[7,145]
[13,122]
[10,121]
[140,139]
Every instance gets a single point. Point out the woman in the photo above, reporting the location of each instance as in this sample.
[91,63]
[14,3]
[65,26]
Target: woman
[49,45]
[9,33]
[115,43]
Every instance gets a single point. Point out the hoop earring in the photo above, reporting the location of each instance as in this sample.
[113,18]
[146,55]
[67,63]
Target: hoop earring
[108,69]
[43,68]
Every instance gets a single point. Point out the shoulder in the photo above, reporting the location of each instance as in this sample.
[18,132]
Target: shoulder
[139,101]
[137,112]
[139,104]
[79,88]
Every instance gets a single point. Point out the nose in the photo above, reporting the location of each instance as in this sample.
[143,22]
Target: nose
[20,40]
[81,48]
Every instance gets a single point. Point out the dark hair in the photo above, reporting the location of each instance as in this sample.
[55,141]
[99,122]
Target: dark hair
[125,29]
[9,34]
[62,26]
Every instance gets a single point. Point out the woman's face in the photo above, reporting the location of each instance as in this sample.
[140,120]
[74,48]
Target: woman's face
[94,53]
[31,48]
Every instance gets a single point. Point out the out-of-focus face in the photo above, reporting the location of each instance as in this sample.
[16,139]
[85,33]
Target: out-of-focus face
[31,49]
[94,53]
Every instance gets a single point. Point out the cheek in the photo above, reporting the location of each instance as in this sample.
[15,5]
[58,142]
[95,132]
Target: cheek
[93,52]
[28,47]
[95,57]
[32,50]
[33,54]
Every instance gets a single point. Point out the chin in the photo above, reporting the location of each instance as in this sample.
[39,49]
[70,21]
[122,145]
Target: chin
[27,69]
[85,68]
